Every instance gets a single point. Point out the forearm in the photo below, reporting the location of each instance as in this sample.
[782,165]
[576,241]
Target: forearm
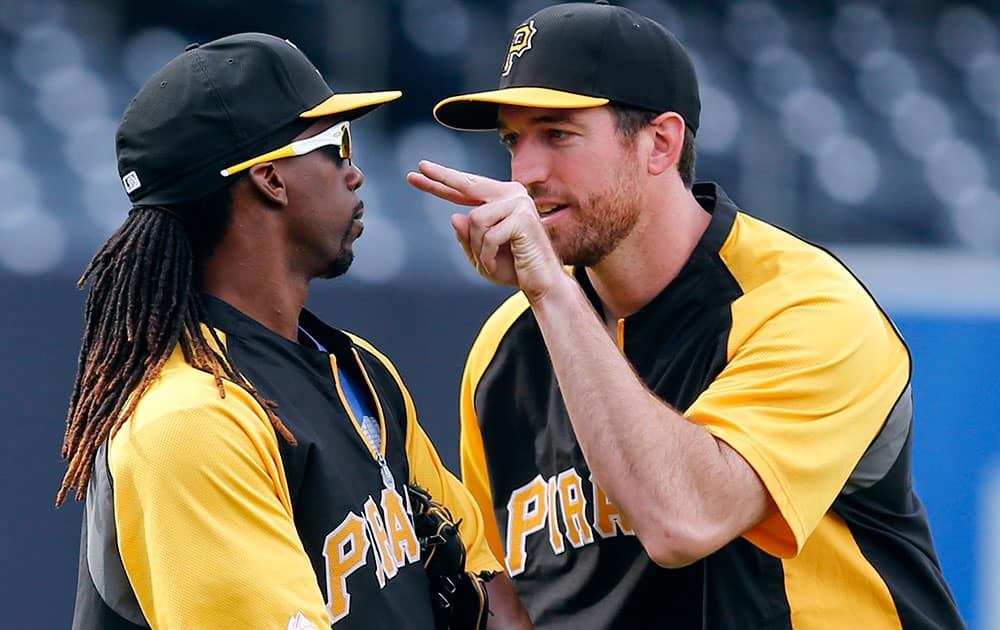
[679,487]
[506,610]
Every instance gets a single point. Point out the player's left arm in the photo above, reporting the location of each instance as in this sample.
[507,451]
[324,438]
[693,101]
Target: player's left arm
[803,396]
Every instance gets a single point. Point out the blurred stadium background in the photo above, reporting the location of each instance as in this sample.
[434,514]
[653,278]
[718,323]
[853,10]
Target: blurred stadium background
[870,127]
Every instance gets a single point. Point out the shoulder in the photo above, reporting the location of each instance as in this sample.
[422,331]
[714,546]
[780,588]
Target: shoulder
[797,290]
[511,320]
[774,265]
[756,253]
[499,324]
[183,406]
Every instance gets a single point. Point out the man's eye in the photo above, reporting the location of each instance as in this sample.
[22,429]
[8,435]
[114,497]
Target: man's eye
[557,134]
[508,140]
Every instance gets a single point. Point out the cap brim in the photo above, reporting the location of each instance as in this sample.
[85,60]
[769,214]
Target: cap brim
[356,104]
[478,112]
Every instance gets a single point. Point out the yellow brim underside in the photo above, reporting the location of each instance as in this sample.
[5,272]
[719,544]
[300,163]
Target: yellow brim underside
[339,103]
[542,98]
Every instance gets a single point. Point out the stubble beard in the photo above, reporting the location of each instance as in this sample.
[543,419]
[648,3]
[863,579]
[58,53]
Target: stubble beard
[601,221]
[340,264]
[345,256]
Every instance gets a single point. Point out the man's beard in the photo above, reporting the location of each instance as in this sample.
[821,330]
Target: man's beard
[345,256]
[601,222]
[339,265]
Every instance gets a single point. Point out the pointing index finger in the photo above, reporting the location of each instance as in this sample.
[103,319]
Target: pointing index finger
[468,184]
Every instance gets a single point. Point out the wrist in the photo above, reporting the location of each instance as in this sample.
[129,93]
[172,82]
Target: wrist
[556,295]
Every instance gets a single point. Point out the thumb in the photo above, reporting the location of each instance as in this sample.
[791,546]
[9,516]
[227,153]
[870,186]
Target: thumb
[460,223]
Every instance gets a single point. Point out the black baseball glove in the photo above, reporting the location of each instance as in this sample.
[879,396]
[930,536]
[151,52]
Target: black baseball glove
[458,597]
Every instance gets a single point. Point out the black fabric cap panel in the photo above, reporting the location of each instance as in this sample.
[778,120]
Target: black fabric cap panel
[565,53]
[594,50]
[211,106]
[609,52]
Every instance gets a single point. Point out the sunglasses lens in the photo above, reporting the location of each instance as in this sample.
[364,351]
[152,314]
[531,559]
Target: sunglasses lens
[345,143]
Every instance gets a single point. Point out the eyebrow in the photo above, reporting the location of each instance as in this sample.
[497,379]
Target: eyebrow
[540,119]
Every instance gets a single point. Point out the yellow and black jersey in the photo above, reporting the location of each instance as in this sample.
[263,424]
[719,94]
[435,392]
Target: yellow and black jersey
[775,348]
[199,516]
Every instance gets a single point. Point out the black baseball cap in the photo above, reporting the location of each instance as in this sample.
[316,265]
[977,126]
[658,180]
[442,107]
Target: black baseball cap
[217,104]
[578,55]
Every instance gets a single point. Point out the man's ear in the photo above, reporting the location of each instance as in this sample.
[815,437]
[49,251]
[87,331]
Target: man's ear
[668,140]
[266,181]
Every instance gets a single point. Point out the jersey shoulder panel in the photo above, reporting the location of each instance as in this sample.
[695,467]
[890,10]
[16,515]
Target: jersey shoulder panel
[182,388]
[189,470]
[811,359]
[758,253]
[484,348]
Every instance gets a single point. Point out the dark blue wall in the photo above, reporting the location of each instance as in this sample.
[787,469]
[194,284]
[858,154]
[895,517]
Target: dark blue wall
[426,333]
[956,378]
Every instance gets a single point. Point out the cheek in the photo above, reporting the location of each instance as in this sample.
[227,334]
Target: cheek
[328,186]
[586,169]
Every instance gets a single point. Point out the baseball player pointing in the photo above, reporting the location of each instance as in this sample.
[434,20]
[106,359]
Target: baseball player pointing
[705,421]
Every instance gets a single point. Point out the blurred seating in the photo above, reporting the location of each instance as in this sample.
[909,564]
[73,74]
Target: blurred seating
[860,123]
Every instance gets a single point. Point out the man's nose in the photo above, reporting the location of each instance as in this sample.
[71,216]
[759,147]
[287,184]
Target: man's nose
[355,177]
[529,165]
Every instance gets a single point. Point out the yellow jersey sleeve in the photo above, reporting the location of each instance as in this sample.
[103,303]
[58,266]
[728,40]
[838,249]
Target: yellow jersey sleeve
[472,453]
[203,514]
[475,475]
[810,379]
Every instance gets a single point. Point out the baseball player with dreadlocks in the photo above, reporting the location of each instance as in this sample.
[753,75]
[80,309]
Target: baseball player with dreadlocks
[244,464]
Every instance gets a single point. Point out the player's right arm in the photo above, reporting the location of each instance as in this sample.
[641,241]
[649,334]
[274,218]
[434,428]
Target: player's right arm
[685,493]
[204,519]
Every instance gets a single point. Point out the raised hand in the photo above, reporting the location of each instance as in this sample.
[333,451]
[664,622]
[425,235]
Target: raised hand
[502,235]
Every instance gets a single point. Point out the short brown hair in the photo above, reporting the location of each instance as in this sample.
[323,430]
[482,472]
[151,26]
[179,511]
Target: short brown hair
[631,119]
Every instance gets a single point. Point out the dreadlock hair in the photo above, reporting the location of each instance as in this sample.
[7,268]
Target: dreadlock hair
[142,303]
[631,119]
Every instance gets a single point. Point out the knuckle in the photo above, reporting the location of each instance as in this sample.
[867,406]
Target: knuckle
[525,203]
[515,188]
[490,241]
[475,218]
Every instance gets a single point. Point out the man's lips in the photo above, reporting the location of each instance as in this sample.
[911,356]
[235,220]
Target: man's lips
[356,222]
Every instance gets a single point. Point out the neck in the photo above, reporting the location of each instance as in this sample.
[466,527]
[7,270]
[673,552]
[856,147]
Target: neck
[650,257]
[249,271]
[275,305]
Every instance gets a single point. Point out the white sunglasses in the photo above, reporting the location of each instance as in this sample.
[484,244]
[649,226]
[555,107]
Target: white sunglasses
[338,136]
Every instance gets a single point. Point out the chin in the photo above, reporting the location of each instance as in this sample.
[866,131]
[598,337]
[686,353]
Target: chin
[340,266]
[582,254]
